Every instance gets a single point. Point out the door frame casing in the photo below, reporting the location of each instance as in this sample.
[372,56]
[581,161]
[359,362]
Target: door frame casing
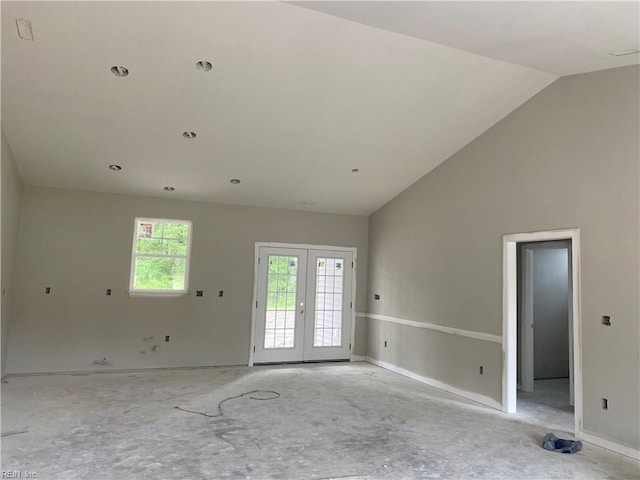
[258,245]
[510,315]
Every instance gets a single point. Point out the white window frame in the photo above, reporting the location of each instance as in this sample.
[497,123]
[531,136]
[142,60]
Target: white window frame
[159,293]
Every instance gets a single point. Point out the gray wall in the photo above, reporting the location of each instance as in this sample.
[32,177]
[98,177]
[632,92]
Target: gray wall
[79,244]
[551,313]
[11,201]
[566,158]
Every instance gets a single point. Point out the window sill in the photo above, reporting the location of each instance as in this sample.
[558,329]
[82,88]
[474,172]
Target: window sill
[157,294]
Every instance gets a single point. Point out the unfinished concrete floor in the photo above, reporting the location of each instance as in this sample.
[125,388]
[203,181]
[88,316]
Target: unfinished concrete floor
[331,420]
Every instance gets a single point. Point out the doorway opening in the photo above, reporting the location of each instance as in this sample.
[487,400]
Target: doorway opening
[545,339]
[303,303]
[519,337]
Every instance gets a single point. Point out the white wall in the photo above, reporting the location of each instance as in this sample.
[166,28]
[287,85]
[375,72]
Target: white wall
[566,158]
[550,313]
[11,201]
[79,244]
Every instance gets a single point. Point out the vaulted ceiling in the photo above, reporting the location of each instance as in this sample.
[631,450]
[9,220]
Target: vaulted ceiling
[299,95]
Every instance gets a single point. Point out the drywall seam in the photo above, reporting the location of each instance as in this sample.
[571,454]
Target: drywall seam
[609,445]
[440,328]
[489,402]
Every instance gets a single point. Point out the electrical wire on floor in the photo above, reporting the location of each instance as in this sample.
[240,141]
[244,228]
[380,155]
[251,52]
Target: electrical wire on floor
[220,413]
[8,434]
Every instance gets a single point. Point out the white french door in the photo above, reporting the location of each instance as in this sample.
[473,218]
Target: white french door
[303,305]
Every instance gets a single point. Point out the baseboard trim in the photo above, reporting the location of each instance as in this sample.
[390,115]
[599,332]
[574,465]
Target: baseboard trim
[609,445]
[486,401]
[358,358]
[118,370]
[439,328]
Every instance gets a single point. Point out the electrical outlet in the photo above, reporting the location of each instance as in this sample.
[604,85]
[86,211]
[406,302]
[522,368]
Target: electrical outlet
[47,290]
[108,291]
[606,320]
[166,338]
[376,297]
[220,293]
[199,293]
[481,370]
[605,404]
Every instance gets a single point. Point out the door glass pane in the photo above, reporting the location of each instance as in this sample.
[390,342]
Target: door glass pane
[282,281]
[327,328]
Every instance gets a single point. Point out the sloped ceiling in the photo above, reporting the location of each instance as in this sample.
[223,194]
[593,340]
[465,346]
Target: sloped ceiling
[560,37]
[295,101]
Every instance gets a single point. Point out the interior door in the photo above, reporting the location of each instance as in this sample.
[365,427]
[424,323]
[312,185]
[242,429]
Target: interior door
[279,328]
[328,317]
[303,305]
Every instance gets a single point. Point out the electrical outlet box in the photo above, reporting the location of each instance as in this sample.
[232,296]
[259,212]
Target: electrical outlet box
[385,344]
[481,370]
[220,293]
[47,290]
[166,338]
[108,291]
[606,320]
[199,293]
[376,297]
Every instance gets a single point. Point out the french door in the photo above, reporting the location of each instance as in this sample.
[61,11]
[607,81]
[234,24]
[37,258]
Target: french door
[303,305]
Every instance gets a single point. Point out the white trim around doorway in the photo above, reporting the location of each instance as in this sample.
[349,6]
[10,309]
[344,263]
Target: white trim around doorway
[510,315]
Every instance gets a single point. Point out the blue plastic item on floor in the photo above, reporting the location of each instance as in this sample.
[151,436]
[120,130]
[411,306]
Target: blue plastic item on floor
[555,444]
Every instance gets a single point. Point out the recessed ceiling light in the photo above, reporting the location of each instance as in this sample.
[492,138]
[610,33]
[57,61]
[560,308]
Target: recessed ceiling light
[25,32]
[189,134]
[355,170]
[169,189]
[625,52]
[308,202]
[115,168]
[204,66]
[234,181]
[119,71]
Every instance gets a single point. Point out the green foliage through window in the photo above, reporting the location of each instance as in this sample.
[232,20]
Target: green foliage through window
[281,282]
[161,255]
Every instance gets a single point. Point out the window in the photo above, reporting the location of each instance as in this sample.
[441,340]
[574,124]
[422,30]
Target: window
[160,259]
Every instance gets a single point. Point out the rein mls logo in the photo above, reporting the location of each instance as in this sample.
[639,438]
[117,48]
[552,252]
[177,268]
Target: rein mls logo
[18,474]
